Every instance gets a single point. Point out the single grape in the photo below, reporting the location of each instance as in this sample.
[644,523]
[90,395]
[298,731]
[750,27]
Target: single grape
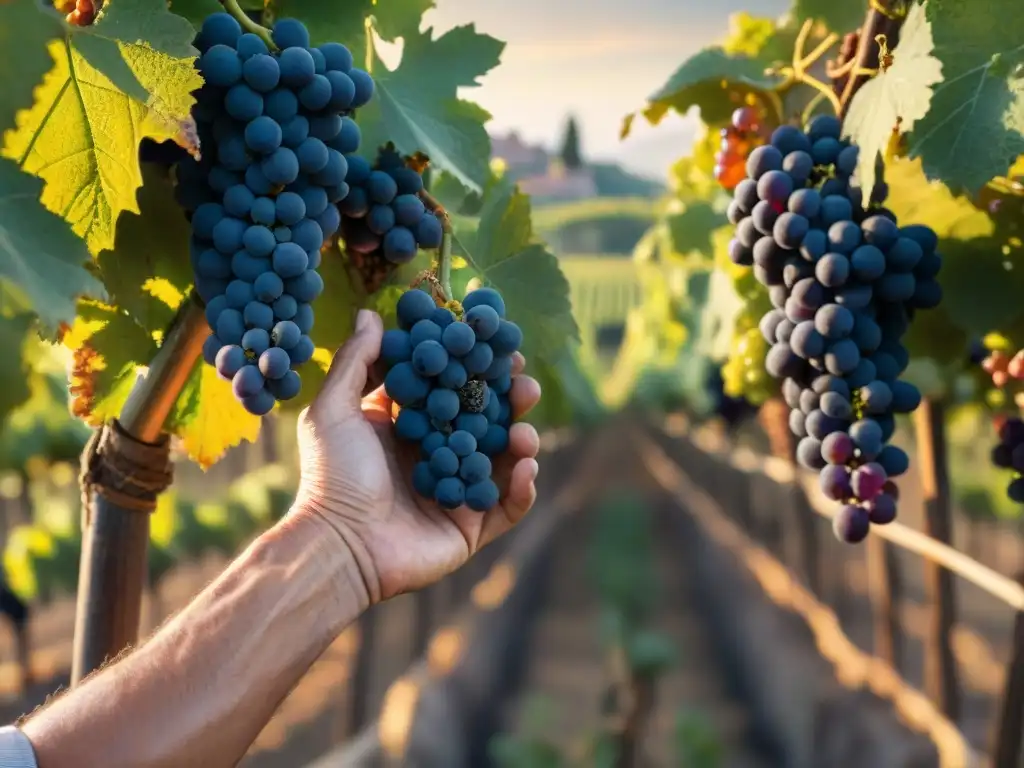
[454,376]
[444,462]
[835,482]
[450,492]
[395,347]
[837,448]
[248,381]
[404,385]
[851,524]
[412,425]
[443,405]
[482,496]
[868,480]
[429,358]
[413,306]
[424,330]
[256,341]
[274,363]
[431,443]
[475,468]
[287,387]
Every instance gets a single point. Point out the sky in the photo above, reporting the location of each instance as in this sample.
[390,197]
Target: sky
[597,59]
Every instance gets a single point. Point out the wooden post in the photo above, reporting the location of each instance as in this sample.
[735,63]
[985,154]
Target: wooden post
[885,582]
[807,526]
[940,672]
[115,533]
[1006,738]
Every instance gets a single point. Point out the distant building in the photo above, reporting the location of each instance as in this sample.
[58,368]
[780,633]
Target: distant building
[520,158]
[539,174]
[544,177]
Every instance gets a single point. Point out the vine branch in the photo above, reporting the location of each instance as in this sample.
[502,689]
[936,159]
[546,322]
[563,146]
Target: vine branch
[884,17]
[232,7]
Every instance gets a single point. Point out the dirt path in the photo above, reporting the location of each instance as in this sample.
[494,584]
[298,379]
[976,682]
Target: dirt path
[566,657]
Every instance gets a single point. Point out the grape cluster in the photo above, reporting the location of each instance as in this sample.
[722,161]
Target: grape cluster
[845,284]
[1009,454]
[739,138]
[82,13]
[1002,367]
[451,379]
[384,213]
[274,129]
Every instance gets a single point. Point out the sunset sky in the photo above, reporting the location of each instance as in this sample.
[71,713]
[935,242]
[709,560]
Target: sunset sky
[596,58]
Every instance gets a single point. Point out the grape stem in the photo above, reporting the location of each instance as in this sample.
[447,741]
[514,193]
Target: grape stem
[443,269]
[233,8]
[882,19]
[797,72]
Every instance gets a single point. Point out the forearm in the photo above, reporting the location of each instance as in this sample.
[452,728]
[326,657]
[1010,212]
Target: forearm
[200,690]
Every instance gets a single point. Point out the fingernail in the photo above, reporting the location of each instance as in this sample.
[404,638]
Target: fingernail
[534,469]
[363,318]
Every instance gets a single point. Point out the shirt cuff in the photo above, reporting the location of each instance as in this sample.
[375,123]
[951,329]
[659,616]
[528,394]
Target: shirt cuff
[15,749]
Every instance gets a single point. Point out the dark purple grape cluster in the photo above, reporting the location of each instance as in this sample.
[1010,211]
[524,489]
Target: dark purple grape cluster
[1009,454]
[452,379]
[384,211]
[844,283]
[274,129]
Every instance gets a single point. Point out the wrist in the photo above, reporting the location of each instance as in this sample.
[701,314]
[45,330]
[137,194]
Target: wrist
[343,553]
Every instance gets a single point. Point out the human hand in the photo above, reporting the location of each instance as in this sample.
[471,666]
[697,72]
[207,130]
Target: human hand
[356,477]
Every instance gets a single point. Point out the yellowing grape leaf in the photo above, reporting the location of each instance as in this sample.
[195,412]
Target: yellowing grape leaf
[108,348]
[208,418]
[127,77]
[146,275]
[975,128]
[895,100]
[504,253]
[41,262]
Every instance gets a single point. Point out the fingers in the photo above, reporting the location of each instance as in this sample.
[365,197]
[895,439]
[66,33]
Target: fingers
[523,441]
[522,493]
[347,377]
[523,396]
[518,363]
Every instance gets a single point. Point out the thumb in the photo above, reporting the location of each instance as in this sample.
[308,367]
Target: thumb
[347,376]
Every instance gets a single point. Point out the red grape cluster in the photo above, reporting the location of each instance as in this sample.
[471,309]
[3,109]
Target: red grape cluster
[745,133]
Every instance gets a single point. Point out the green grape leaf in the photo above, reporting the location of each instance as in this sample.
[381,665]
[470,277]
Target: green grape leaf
[25,29]
[975,128]
[416,105]
[109,346]
[691,229]
[14,382]
[714,81]
[838,15]
[895,99]
[127,77]
[41,262]
[197,10]
[147,276]
[504,253]
[346,23]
